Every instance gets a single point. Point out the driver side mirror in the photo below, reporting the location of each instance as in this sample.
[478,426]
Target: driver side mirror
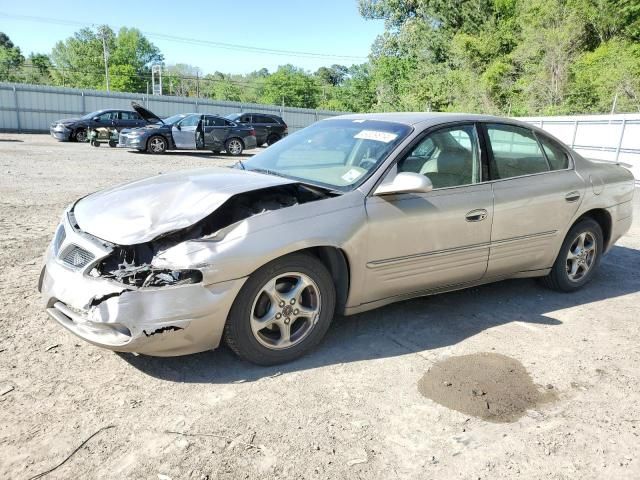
[405,182]
[178,126]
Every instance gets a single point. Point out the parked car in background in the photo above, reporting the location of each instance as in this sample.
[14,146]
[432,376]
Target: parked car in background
[70,129]
[188,131]
[349,214]
[269,128]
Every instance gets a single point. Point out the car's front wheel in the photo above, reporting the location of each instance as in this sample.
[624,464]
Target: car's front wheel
[579,257]
[282,311]
[157,144]
[234,147]
[81,135]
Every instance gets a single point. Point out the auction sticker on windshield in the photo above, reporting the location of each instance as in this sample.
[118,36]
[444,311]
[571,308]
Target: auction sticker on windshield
[385,137]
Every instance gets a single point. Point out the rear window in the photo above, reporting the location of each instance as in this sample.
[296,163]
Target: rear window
[558,158]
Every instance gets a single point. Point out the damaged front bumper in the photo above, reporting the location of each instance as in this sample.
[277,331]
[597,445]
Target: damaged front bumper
[161,321]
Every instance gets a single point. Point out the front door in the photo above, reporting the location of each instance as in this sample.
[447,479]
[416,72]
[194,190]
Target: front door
[536,193]
[184,132]
[419,242]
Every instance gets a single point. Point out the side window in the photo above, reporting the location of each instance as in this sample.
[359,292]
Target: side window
[516,152]
[129,116]
[558,158]
[211,121]
[190,121]
[107,117]
[245,119]
[449,157]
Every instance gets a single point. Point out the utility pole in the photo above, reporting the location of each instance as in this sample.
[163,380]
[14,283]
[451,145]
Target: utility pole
[102,32]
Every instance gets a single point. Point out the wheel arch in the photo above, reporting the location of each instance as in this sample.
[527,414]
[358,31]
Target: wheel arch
[603,218]
[336,262]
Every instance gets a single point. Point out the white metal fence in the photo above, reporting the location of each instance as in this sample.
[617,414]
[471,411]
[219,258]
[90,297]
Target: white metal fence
[32,108]
[601,137]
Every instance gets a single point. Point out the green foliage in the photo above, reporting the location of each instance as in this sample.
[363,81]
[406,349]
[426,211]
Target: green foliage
[79,60]
[292,86]
[517,57]
[11,59]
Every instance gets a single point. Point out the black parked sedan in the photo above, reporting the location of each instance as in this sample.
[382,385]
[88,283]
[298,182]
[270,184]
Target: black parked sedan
[68,129]
[188,131]
[269,128]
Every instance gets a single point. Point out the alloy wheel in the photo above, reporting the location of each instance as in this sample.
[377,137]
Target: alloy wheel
[235,147]
[285,310]
[581,256]
[81,136]
[156,145]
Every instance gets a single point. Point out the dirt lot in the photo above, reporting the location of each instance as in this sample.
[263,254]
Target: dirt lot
[352,409]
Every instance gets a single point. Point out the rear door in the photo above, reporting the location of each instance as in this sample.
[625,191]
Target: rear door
[216,130]
[260,124]
[184,132]
[536,193]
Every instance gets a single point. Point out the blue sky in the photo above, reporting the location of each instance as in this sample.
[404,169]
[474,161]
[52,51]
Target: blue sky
[329,27]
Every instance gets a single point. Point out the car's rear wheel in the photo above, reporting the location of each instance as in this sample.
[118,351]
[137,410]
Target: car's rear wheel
[282,311]
[156,145]
[273,138]
[80,135]
[234,147]
[579,257]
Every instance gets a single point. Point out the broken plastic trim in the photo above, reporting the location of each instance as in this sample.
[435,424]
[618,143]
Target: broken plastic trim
[170,328]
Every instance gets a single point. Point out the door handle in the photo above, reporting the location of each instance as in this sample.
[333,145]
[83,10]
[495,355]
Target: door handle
[572,196]
[476,215]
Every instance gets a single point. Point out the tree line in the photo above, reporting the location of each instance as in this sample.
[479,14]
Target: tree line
[512,57]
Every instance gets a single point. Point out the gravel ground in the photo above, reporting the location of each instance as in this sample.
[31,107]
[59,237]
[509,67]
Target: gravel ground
[351,409]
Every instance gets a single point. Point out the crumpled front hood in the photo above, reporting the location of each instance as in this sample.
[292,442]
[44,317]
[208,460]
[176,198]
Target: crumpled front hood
[140,211]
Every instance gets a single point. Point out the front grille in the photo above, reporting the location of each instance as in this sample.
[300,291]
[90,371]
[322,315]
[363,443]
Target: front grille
[76,257]
[122,139]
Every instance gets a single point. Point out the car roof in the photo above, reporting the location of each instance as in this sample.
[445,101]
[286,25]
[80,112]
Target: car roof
[428,118]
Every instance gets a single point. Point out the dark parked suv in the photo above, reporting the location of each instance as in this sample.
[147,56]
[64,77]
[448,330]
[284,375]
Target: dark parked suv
[269,128]
[77,128]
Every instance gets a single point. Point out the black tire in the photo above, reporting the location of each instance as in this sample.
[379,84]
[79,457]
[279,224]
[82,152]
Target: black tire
[238,334]
[95,143]
[234,147]
[113,143]
[558,279]
[273,138]
[80,135]
[156,145]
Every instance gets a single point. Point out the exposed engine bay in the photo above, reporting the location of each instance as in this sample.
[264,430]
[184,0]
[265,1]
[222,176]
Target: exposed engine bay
[133,264]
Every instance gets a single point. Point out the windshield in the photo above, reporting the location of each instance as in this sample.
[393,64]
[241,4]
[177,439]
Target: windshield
[173,119]
[338,154]
[232,116]
[91,115]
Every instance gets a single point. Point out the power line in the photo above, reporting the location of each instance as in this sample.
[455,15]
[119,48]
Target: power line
[194,41]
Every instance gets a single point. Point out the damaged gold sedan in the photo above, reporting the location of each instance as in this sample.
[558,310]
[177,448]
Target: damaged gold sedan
[344,216]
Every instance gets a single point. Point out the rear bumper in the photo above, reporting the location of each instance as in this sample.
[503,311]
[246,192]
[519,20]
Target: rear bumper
[621,220]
